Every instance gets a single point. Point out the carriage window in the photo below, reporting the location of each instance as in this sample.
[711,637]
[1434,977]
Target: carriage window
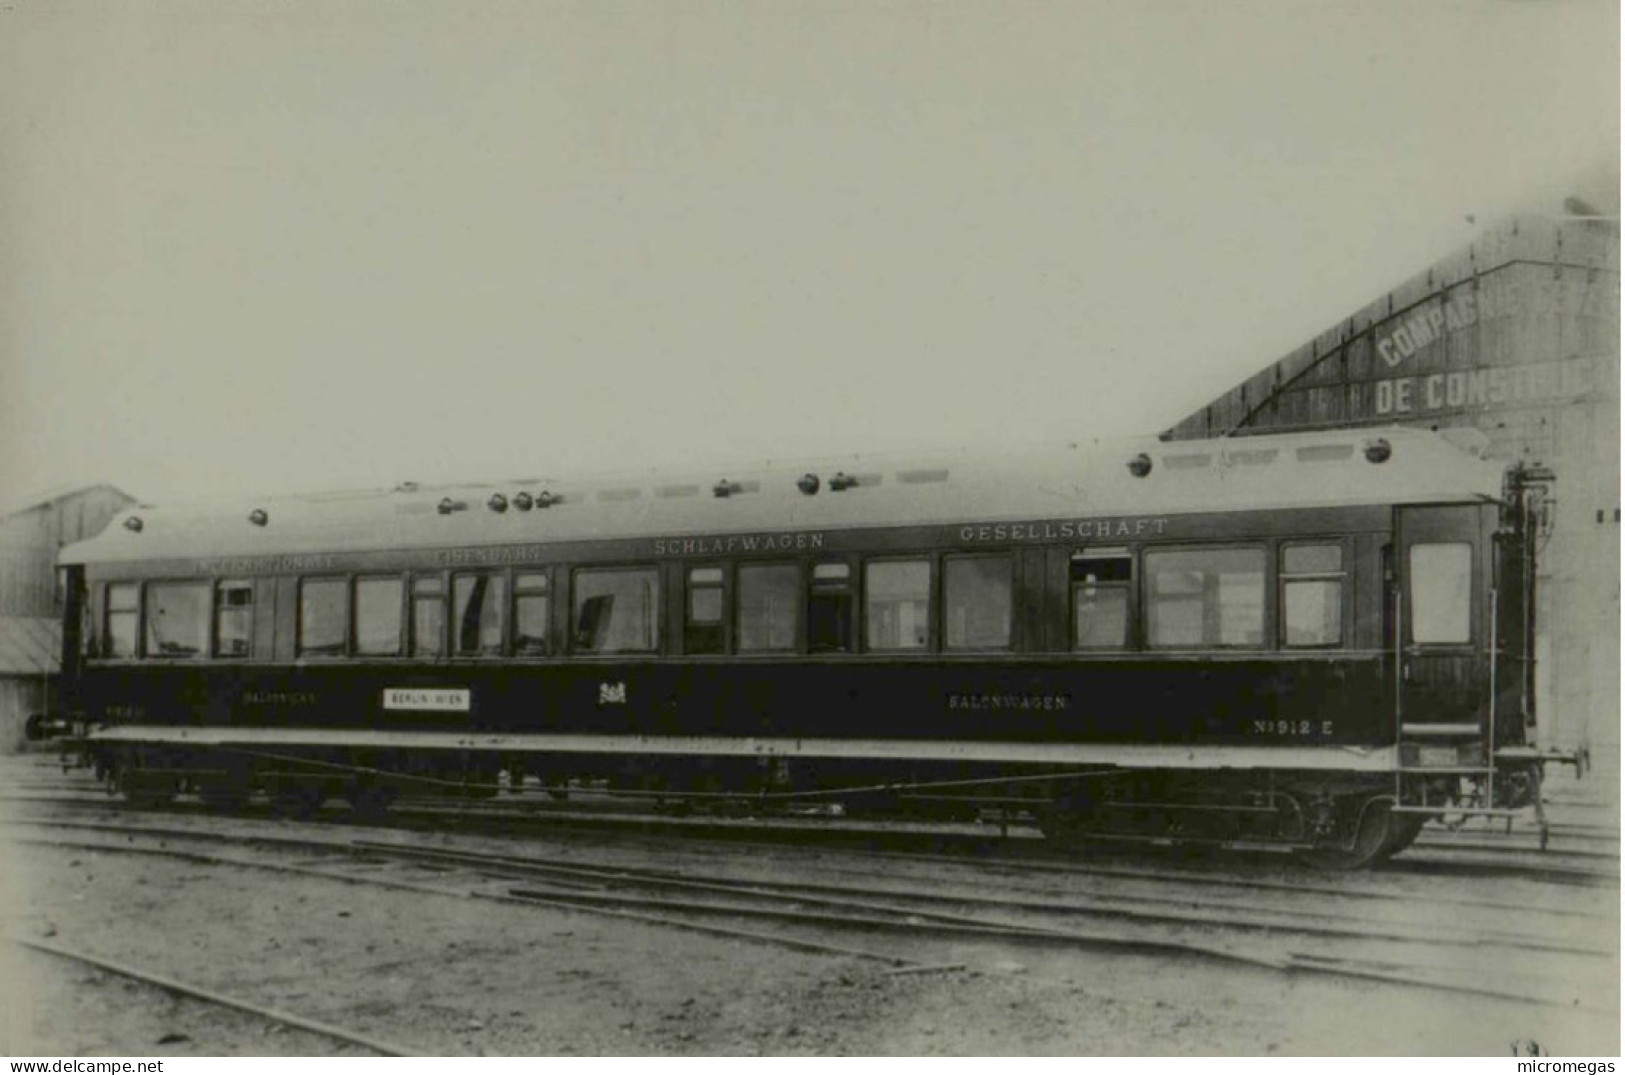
[1100,591]
[829,609]
[123,618]
[1312,595]
[233,618]
[897,604]
[178,619]
[478,600]
[977,595]
[378,617]
[1205,597]
[428,616]
[617,611]
[1441,593]
[767,607]
[705,632]
[323,619]
[532,609]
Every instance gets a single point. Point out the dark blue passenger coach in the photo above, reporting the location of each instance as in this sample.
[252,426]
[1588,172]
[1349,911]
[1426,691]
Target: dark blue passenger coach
[1312,640]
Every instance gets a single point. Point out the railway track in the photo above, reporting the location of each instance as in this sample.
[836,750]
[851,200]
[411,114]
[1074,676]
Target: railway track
[1454,955]
[1205,879]
[275,1016]
[1581,860]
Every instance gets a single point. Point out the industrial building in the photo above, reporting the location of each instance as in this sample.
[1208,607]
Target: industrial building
[31,532]
[1517,337]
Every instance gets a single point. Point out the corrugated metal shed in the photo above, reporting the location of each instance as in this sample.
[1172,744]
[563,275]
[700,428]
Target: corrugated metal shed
[49,497]
[29,646]
[31,532]
[1524,318]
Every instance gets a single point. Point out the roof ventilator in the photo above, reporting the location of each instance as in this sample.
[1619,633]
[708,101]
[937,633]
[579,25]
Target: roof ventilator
[1140,465]
[258,517]
[133,524]
[842,481]
[808,484]
[1378,450]
[522,501]
[448,505]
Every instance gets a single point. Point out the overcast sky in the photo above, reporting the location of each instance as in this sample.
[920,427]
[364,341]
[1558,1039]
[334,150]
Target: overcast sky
[286,245]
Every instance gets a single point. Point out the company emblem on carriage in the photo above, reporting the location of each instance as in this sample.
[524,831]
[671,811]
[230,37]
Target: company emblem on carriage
[612,693]
[437,700]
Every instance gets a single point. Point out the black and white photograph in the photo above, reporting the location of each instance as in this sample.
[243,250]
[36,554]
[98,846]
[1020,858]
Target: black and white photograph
[759,528]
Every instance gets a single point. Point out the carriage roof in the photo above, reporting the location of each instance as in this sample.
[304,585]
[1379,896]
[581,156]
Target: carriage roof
[1085,482]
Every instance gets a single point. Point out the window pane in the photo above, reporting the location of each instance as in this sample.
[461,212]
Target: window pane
[1312,559]
[1313,612]
[322,616]
[1103,565]
[1100,598]
[617,611]
[428,626]
[530,583]
[378,617]
[831,573]
[479,600]
[829,622]
[897,604]
[704,631]
[767,607]
[177,619]
[531,612]
[233,618]
[705,605]
[1100,617]
[1441,592]
[1205,597]
[123,604]
[977,598]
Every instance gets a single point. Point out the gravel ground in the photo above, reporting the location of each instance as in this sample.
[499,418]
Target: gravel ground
[445,975]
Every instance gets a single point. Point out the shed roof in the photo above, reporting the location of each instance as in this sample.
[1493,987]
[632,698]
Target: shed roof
[29,646]
[23,504]
[1322,376]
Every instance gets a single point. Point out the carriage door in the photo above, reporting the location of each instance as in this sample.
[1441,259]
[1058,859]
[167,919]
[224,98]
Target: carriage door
[1441,635]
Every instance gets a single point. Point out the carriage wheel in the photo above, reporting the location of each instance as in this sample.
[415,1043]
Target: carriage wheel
[1365,830]
[1401,834]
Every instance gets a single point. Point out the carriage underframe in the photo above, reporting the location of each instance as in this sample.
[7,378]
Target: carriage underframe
[1338,819]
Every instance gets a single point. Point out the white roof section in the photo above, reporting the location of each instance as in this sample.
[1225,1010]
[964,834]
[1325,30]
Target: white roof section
[24,504]
[1091,481]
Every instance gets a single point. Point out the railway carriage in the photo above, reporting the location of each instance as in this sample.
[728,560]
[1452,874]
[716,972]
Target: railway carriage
[1310,640]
